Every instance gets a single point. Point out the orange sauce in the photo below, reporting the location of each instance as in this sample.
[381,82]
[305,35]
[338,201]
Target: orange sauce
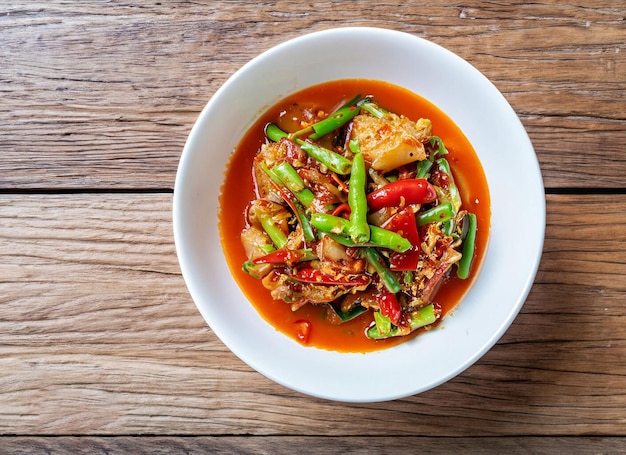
[238,190]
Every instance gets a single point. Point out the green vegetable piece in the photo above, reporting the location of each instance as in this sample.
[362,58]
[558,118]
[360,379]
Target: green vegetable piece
[332,160]
[423,167]
[380,237]
[383,324]
[256,271]
[439,213]
[353,313]
[290,178]
[418,318]
[436,141]
[386,276]
[274,133]
[358,230]
[277,236]
[374,109]
[388,239]
[465,264]
[336,120]
[307,229]
[422,317]
[452,194]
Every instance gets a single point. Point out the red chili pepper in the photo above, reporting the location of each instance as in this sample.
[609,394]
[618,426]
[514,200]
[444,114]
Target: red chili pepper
[303,330]
[280,257]
[409,191]
[389,306]
[315,276]
[342,208]
[404,224]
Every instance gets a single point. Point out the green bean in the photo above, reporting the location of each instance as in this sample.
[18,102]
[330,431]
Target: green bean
[464,265]
[419,318]
[379,237]
[307,230]
[426,315]
[335,120]
[441,212]
[386,276]
[329,224]
[422,168]
[374,109]
[274,133]
[290,178]
[271,173]
[277,236]
[452,194]
[388,239]
[359,230]
[332,160]
[305,224]
[383,326]
[435,141]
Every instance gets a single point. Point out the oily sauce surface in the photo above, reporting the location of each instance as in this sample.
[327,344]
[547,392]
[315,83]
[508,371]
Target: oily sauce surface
[309,325]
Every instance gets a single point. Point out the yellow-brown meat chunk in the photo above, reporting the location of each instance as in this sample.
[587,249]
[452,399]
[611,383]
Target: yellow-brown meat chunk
[391,141]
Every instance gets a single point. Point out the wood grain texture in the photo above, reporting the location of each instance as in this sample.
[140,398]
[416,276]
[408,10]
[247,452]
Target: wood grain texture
[99,337]
[278,445]
[103,96]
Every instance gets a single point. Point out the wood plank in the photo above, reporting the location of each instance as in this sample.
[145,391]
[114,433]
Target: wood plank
[278,445]
[99,337]
[111,108]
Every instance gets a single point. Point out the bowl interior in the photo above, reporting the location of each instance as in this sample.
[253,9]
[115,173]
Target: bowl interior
[510,166]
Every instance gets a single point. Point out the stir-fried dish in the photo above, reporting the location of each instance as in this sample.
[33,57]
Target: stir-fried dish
[358,210]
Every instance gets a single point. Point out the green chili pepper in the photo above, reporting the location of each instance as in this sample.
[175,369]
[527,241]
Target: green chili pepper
[386,276]
[441,212]
[359,230]
[290,178]
[465,264]
[378,236]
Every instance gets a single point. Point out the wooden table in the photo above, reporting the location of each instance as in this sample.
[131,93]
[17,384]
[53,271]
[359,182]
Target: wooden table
[102,349]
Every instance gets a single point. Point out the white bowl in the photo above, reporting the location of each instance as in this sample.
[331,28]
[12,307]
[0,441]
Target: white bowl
[517,207]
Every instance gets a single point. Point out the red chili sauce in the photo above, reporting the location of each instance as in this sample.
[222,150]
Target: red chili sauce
[309,325]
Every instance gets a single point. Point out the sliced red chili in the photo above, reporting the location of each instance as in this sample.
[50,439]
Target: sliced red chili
[389,306]
[303,330]
[404,223]
[282,256]
[315,276]
[408,191]
[342,210]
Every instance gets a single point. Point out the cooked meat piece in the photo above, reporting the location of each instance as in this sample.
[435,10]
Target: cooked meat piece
[391,141]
